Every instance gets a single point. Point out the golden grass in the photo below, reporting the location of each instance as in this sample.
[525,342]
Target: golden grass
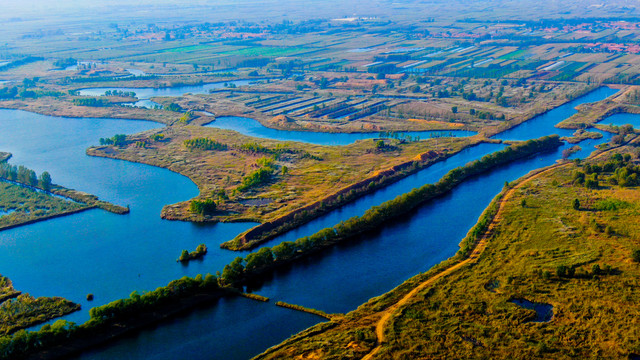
[468,314]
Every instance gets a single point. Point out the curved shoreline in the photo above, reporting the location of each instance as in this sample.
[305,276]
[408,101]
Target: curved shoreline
[298,217]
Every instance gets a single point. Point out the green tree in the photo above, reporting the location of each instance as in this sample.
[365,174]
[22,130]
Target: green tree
[233,272]
[454,109]
[283,251]
[33,179]
[203,207]
[561,271]
[45,181]
[184,256]
[259,260]
[576,204]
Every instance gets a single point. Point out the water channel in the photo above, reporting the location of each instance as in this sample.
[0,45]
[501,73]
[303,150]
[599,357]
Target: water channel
[111,255]
[251,127]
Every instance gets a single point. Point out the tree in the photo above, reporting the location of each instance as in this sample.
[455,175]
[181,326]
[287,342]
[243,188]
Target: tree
[119,139]
[184,256]
[576,204]
[33,179]
[45,181]
[203,207]
[284,250]
[233,272]
[636,255]
[561,271]
[523,203]
[454,109]
[259,260]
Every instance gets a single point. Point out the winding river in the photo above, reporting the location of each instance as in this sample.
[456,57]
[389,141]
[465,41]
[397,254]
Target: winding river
[252,127]
[111,255]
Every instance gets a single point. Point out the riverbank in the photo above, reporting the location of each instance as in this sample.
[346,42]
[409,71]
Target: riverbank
[271,229]
[533,231]
[124,317]
[131,321]
[21,205]
[590,114]
[258,263]
[21,311]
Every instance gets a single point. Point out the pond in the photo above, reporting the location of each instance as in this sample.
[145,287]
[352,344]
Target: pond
[544,312]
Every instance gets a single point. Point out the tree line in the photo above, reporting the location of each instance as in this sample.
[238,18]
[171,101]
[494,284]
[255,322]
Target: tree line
[26,176]
[23,342]
[117,140]
[265,258]
[204,144]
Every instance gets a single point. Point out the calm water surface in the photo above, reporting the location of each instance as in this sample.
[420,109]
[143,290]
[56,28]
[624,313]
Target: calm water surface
[111,255]
[148,93]
[251,127]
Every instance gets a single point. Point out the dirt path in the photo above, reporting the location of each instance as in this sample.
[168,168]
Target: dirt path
[388,313]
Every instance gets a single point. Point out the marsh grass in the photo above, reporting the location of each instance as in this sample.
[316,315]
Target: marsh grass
[469,314]
[25,205]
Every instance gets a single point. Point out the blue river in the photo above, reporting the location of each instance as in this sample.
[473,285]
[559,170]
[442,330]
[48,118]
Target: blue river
[111,255]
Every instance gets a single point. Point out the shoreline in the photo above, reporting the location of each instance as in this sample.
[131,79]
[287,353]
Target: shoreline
[383,178]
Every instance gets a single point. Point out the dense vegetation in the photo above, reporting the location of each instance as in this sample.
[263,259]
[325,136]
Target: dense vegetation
[204,144]
[120,93]
[63,63]
[6,289]
[25,311]
[24,175]
[102,317]
[91,102]
[19,205]
[200,251]
[616,171]
[266,169]
[203,207]
[544,249]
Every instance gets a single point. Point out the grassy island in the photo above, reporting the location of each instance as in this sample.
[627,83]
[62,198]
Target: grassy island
[26,198]
[264,180]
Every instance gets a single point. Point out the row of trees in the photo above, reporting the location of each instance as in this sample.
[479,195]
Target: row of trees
[25,176]
[23,342]
[266,257]
[120,93]
[124,309]
[117,140]
[204,144]
[91,102]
